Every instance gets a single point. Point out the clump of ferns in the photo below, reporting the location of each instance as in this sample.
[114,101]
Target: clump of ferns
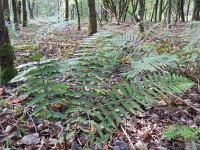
[94,106]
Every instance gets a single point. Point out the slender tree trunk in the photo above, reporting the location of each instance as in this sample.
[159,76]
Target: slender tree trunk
[78,15]
[141,12]
[25,19]
[59,3]
[169,11]
[72,9]
[7,70]
[19,11]
[196,11]
[92,17]
[31,8]
[82,14]
[66,10]
[152,14]
[126,11]
[156,11]
[141,9]
[37,10]
[6,10]
[134,5]
[119,12]
[160,10]
[15,14]
[188,9]
[182,14]
[178,7]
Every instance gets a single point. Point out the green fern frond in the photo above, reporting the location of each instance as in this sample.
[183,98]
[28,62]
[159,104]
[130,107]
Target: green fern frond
[151,64]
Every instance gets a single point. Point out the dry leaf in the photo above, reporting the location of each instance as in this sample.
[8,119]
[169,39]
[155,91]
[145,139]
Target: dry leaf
[19,100]
[178,101]
[1,91]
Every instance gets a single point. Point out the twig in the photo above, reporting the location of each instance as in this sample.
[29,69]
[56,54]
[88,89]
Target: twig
[32,121]
[196,109]
[128,137]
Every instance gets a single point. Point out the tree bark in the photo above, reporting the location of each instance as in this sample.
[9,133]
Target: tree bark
[196,11]
[7,70]
[6,10]
[15,14]
[188,9]
[19,11]
[169,11]
[72,10]
[182,14]
[92,17]
[66,10]
[141,12]
[160,10]
[141,9]
[25,19]
[156,11]
[31,8]
[78,15]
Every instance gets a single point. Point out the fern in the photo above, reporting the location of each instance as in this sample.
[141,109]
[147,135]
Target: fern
[151,63]
[123,100]
[89,100]
[39,78]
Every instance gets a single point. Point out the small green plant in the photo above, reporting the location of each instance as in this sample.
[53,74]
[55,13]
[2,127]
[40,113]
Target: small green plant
[181,132]
[36,57]
[29,47]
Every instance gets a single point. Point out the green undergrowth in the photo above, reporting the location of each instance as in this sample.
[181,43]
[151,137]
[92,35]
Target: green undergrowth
[181,132]
[82,88]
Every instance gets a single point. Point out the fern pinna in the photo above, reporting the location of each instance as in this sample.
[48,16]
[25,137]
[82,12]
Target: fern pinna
[82,86]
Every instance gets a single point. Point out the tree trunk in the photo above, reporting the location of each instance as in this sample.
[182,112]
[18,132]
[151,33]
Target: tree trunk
[188,9]
[25,19]
[92,17]
[66,10]
[78,15]
[182,15]
[160,10]
[134,5]
[156,11]
[6,10]
[7,70]
[169,11]
[141,12]
[141,9]
[31,8]
[72,9]
[196,11]
[15,15]
[19,11]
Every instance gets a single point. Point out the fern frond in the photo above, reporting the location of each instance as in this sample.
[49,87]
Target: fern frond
[151,64]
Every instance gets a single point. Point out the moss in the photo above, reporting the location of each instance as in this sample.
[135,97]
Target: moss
[6,51]
[7,74]
[141,27]
[7,70]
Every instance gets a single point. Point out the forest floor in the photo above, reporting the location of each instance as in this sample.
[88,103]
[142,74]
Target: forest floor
[18,130]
